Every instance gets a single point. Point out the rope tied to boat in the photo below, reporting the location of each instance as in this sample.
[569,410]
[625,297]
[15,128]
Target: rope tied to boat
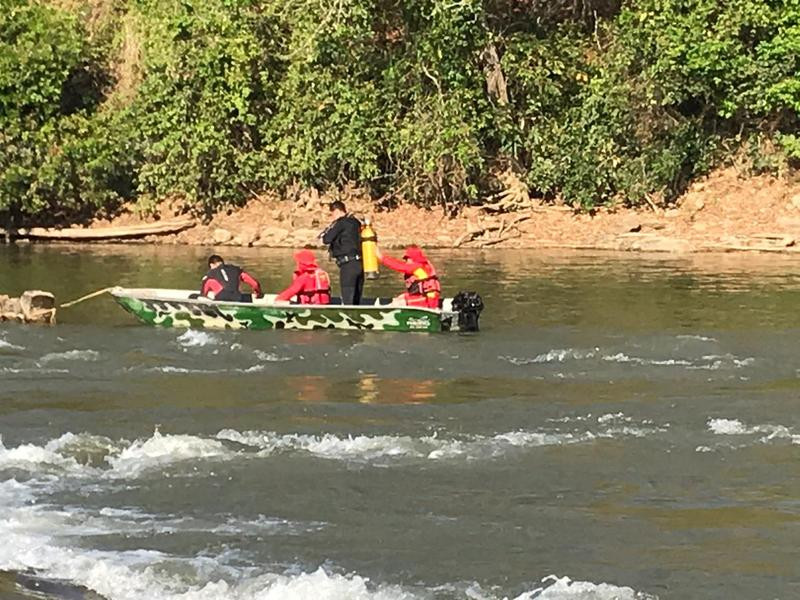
[87,297]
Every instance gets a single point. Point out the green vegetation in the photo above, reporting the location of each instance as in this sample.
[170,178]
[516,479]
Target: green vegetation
[594,101]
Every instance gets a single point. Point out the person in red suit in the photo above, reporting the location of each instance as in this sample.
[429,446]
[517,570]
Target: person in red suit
[222,282]
[422,284]
[311,285]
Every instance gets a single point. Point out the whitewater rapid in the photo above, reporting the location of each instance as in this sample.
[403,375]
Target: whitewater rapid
[46,539]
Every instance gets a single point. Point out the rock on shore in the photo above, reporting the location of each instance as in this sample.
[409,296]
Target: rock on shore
[34,306]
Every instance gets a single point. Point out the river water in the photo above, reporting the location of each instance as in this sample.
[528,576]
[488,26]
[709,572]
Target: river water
[622,427]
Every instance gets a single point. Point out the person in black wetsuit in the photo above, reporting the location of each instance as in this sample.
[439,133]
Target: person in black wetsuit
[222,282]
[343,238]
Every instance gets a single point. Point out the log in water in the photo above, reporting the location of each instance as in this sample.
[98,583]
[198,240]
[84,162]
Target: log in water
[621,428]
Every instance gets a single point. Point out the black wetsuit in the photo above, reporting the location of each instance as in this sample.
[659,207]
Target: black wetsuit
[343,238]
[228,276]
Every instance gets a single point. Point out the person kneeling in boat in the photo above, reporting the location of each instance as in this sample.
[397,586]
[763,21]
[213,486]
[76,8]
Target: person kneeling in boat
[222,282]
[422,284]
[311,285]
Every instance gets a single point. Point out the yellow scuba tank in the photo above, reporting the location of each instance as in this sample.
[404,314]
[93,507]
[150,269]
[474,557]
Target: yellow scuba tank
[369,251]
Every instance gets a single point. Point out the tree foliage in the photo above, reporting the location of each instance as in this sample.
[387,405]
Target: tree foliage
[213,101]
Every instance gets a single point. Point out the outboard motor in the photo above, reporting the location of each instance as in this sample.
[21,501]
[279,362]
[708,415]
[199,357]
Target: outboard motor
[468,305]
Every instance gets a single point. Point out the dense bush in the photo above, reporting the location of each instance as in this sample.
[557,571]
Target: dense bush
[213,101]
[59,156]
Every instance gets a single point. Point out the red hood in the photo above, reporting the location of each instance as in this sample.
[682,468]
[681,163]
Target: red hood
[305,259]
[416,254]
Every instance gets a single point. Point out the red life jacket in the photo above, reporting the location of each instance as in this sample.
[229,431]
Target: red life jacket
[423,287]
[321,294]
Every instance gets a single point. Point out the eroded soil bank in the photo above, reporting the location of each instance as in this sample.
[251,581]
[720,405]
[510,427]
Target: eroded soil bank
[722,212]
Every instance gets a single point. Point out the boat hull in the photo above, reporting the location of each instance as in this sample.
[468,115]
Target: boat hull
[199,313]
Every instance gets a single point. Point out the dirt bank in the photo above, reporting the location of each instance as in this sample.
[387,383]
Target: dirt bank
[722,212]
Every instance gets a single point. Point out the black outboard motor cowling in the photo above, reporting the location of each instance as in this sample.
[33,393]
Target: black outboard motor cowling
[468,305]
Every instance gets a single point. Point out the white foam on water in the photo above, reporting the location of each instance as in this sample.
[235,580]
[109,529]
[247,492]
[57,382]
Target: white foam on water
[160,450]
[563,588]
[141,574]
[719,361]
[500,444]
[4,345]
[31,542]
[33,458]
[552,587]
[14,493]
[360,446]
[181,370]
[551,356]
[133,522]
[432,447]
[325,445]
[700,338]
[34,539]
[726,426]
[85,455]
[319,585]
[710,362]
[33,371]
[271,356]
[128,521]
[621,357]
[82,443]
[610,417]
[626,431]
[263,524]
[620,425]
[79,355]
[707,362]
[69,453]
[536,438]
[767,432]
[196,338]
[38,538]
[576,418]
[171,369]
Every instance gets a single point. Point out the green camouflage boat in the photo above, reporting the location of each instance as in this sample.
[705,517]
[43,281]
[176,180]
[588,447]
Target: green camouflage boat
[182,308]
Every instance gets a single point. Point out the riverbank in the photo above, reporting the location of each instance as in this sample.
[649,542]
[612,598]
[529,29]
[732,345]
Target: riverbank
[722,212]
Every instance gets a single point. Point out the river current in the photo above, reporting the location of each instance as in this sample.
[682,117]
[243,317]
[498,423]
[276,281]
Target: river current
[622,427]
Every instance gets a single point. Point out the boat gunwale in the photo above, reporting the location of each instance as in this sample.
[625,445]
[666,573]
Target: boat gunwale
[120,292]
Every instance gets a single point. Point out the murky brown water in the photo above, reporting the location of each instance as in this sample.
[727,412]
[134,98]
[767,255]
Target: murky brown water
[629,422]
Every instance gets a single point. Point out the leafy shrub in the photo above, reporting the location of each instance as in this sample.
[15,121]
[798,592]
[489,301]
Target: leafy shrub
[213,101]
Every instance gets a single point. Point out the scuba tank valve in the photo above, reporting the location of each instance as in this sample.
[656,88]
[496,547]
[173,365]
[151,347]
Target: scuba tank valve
[369,251]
